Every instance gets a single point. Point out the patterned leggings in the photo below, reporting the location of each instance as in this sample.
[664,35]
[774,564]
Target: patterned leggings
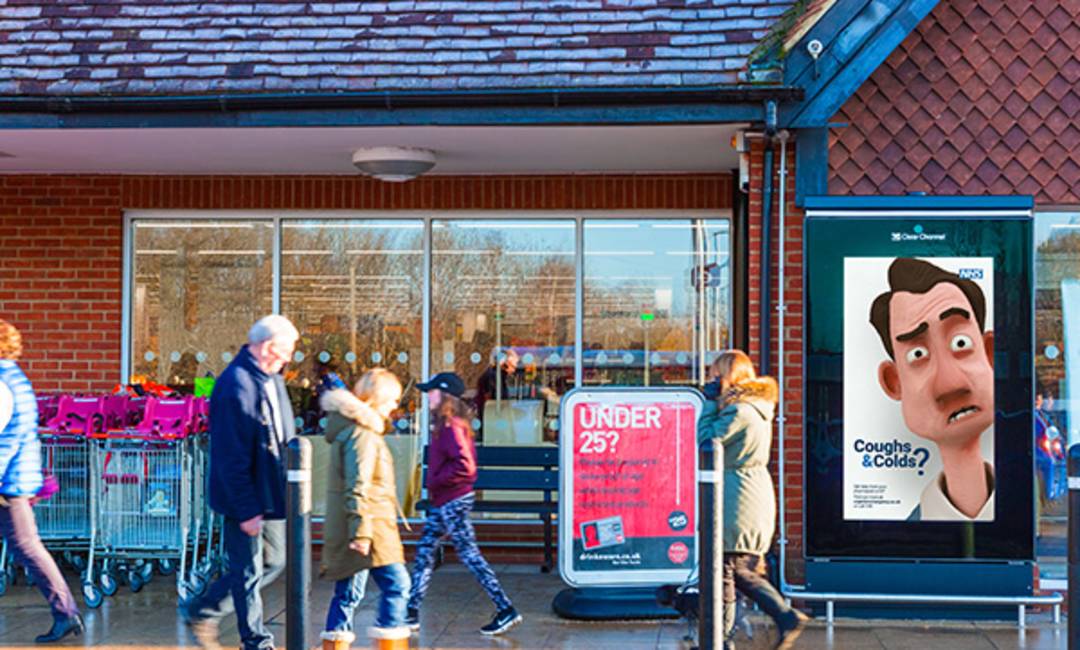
[453,518]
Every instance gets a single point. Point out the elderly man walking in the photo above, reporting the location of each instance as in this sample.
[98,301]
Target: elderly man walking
[251,420]
[20,480]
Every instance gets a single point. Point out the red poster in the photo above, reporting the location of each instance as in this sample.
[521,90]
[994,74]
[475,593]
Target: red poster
[633,486]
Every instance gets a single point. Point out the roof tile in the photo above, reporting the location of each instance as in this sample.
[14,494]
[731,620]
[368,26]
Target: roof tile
[1007,74]
[121,45]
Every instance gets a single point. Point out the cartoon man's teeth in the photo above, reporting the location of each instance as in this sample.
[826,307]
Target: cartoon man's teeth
[962,413]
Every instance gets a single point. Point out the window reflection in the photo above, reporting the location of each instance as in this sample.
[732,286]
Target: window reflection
[503,319]
[354,289]
[657,300]
[1057,313]
[197,288]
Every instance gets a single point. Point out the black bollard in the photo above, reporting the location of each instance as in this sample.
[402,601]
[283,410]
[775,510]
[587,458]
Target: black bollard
[1074,547]
[711,546]
[298,566]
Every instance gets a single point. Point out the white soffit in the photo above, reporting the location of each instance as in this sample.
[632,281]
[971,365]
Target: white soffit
[460,150]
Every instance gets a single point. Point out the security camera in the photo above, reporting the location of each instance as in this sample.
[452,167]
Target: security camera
[814,48]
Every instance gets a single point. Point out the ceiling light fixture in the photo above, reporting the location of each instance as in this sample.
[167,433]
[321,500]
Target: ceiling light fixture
[393,164]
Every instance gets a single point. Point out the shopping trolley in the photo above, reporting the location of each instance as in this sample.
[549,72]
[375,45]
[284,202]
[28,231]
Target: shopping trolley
[141,500]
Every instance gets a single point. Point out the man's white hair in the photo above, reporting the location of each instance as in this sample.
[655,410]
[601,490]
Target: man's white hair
[274,326]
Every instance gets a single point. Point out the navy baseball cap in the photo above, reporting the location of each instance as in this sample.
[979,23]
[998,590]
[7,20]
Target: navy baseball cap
[447,382]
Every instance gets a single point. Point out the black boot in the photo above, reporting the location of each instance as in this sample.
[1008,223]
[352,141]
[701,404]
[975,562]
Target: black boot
[62,629]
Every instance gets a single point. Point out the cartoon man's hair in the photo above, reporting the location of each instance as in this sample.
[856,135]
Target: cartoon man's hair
[917,276]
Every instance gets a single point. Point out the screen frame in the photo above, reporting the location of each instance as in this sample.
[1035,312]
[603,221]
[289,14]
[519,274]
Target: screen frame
[1008,538]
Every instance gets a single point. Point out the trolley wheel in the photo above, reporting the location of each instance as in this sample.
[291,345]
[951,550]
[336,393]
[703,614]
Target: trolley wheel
[92,596]
[69,558]
[166,567]
[108,584]
[146,571]
[3,582]
[135,581]
[79,562]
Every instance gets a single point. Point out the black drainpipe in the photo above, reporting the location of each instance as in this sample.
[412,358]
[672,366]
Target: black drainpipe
[766,239]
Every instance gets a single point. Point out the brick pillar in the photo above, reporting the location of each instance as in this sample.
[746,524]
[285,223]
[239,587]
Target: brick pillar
[792,297]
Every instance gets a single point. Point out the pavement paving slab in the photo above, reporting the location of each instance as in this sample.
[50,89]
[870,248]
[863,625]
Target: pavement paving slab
[456,607]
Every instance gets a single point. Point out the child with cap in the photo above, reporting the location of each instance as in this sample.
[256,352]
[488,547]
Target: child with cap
[450,479]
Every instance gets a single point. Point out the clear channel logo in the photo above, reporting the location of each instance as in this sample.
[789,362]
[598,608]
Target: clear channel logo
[918,233]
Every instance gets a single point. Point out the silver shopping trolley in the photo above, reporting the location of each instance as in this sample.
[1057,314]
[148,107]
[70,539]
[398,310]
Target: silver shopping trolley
[141,500]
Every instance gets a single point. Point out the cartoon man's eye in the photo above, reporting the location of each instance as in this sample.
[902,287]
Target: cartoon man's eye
[961,343]
[917,354]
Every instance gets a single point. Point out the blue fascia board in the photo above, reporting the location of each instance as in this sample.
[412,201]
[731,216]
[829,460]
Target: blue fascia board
[909,202]
[696,113]
[798,64]
[811,163]
[856,53]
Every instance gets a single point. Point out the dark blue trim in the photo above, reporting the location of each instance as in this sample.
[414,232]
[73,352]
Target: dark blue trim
[855,203]
[470,116]
[811,163]
[845,17]
[690,105]
[858,36]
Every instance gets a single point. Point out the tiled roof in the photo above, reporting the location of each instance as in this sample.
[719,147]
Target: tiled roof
[125,47]
[981,98]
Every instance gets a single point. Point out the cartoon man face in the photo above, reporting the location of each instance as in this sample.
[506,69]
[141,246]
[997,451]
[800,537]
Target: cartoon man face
[941,367]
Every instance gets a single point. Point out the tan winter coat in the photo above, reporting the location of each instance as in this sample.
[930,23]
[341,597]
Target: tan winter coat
[741,420]
[361,498]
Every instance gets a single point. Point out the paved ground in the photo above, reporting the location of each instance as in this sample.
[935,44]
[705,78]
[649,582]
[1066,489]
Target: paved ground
[457,607]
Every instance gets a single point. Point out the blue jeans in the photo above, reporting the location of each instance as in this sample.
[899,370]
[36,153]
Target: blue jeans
[254,562]
[393,583]
[348,593]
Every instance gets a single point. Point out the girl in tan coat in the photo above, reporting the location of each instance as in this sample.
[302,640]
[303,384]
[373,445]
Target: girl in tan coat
[360,532]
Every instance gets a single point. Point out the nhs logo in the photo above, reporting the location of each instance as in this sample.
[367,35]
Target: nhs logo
[970,274]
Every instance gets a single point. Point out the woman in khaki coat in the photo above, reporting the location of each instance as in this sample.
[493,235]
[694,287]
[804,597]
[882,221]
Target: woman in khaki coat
[360,532]
[740,419]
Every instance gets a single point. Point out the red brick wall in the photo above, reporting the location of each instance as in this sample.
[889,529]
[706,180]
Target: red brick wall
[60,277]
[61,238]
[792,328]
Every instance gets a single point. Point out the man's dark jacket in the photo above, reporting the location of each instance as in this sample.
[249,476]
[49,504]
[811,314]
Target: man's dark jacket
[247,459]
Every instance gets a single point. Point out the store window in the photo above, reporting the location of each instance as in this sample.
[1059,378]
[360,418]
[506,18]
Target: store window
[502,299]
[657,300]
[197,286]
[503,318]
[354,289]
[1057,384]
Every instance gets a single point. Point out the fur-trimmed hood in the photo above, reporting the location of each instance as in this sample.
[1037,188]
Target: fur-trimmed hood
[352,409]
[761,389]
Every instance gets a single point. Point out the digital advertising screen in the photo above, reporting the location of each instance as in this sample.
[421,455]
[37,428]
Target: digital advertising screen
[919,389]
[918,408]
